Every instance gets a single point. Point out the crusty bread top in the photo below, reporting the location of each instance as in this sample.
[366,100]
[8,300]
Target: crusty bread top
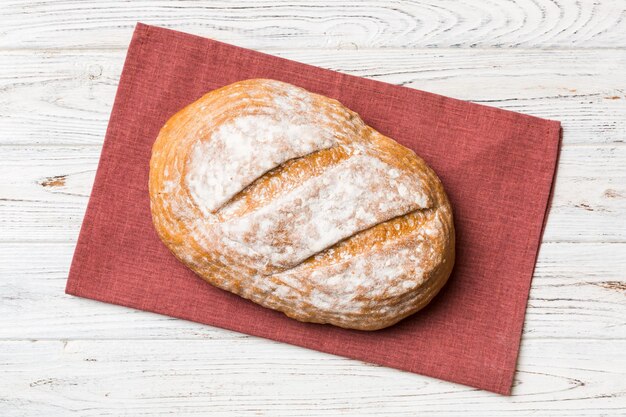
[287,198]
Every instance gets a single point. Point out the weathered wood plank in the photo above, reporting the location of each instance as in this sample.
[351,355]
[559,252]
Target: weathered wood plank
[335,25]
[259,377]
[65,97]
[578,292]
[45,189]
[110,360]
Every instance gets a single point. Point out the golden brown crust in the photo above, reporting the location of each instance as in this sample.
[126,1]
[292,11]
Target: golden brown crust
[287,198]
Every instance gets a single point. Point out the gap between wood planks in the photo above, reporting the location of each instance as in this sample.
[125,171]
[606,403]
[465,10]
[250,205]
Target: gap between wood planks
[274,50]
[65,98]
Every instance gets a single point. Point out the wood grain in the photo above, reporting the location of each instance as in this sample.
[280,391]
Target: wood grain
[46,189]
[59,68]
[65,97]
[260,377]
[315,25]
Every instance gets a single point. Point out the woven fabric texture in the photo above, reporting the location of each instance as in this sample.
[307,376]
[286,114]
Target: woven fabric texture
[497,167]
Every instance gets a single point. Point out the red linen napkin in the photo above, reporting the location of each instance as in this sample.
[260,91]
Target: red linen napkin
[497,168]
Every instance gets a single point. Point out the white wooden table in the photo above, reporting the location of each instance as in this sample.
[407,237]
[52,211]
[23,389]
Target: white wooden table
[60,62]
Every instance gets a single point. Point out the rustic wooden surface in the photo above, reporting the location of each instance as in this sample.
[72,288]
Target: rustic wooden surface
[60,62]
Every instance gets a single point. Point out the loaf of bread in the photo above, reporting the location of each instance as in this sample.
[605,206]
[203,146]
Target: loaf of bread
[289,199]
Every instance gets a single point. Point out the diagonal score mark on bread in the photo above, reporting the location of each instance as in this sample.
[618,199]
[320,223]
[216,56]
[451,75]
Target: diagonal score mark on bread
[275,181]
[287,198]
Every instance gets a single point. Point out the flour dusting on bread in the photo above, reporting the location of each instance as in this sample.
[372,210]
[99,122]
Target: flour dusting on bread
[289,199]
